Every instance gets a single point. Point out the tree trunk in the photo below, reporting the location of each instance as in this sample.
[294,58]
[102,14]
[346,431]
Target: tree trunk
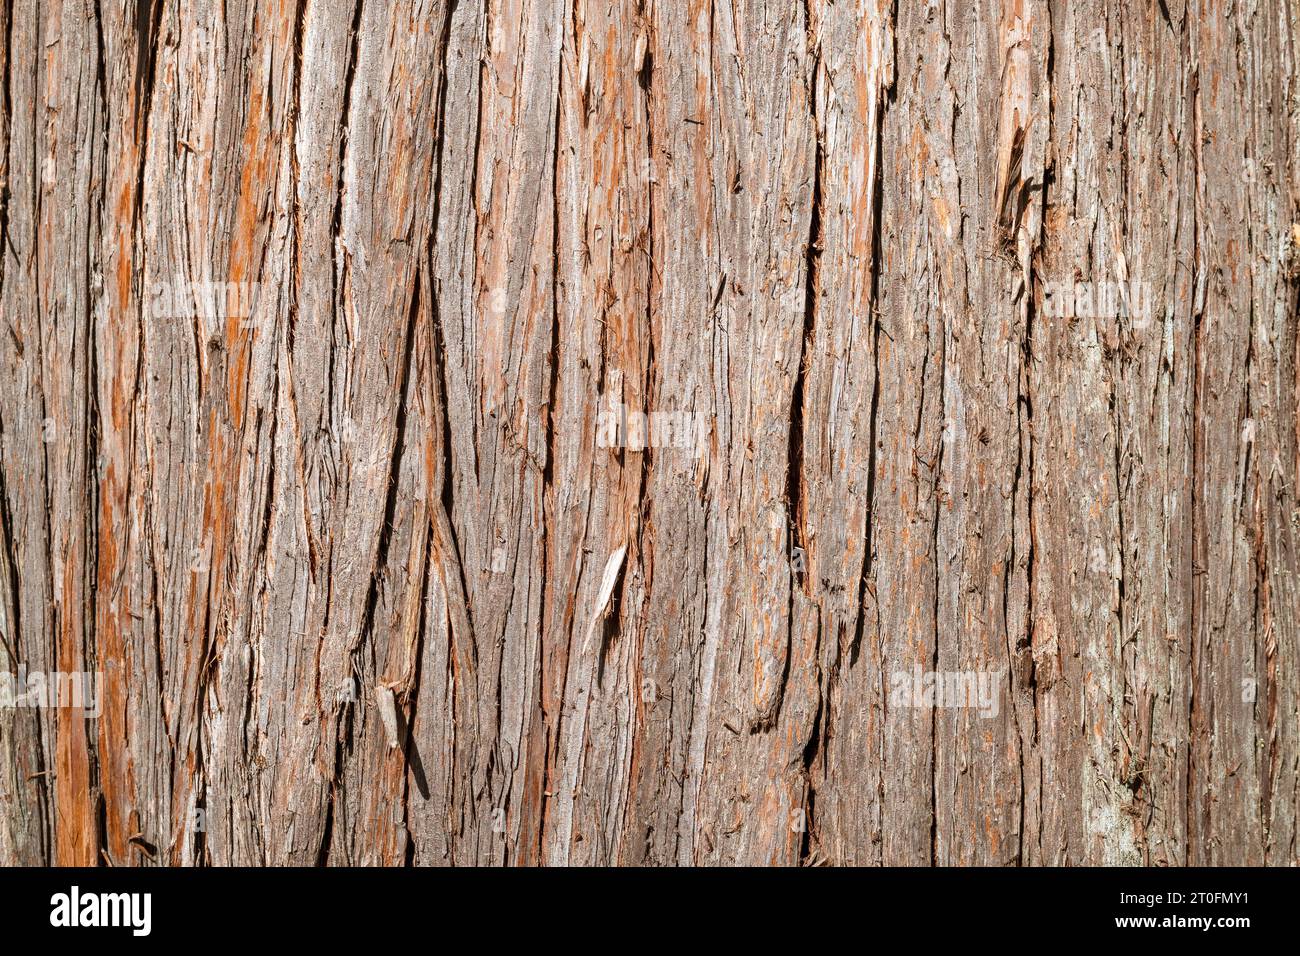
[650,432]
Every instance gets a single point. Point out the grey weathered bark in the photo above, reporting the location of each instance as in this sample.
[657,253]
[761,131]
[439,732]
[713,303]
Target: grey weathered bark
[363,576]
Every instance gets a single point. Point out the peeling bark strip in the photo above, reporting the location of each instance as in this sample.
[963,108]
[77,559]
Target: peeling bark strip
[342,343]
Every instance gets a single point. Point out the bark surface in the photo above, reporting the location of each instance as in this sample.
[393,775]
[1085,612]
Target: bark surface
[383,569]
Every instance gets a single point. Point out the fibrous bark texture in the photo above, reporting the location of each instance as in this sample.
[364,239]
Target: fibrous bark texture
[649,432]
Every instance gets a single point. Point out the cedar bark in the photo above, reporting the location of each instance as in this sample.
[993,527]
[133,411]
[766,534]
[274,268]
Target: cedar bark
[364,586]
